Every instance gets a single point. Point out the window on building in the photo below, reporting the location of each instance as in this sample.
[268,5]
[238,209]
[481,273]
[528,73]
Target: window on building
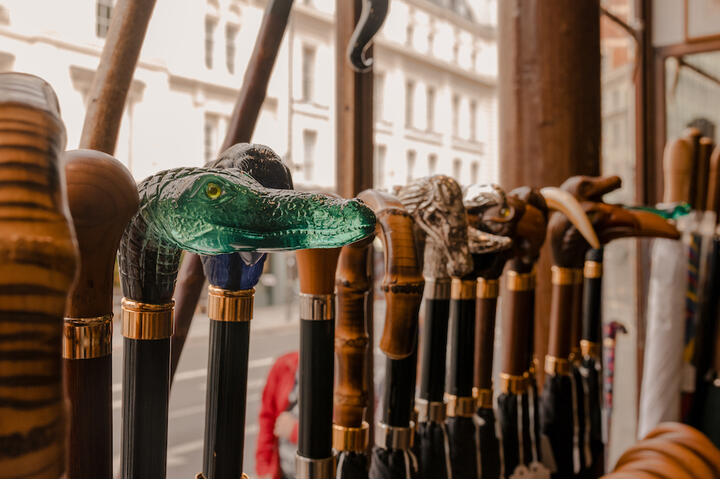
[411,157]
[210,136]
[455,114]
[457,169]
[231,32]
[432,164]
[210,25]
[309,142]
[378,108]
[473,120]
[103,11]
[431,109]
[409,107]
[409,32]
[308,72]
[474,172]
[379,167]
[431,38]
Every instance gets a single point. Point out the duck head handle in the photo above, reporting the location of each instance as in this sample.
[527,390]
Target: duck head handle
[403,281]
[436,205]
[371,19]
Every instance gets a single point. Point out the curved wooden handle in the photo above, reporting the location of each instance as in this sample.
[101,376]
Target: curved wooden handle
[678,168]
[316,270]
[112,80]
[103,197]
[403,281]
[353,283]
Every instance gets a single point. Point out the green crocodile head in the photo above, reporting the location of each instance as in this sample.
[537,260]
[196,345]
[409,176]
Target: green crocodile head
[213,211]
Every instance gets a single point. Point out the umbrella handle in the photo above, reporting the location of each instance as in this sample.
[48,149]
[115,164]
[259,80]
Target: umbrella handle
[371,19]
[678,167]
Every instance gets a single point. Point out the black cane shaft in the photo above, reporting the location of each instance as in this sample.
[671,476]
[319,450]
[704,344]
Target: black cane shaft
[146,387]
[462,339]
[89,394]
[592,297]
[434,349]
[226,399]
[317,349]
[399,390]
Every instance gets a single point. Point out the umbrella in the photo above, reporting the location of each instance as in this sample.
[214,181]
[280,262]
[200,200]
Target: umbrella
[99,220]
[611,331]
[39,260]
[191,278]
[232,278]
[436,205]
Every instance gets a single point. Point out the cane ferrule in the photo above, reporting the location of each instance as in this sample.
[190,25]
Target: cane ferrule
[147,321]
[487,288]
[317,307]
[394,438]
[314,467]
[513,384]
[589,349]
[230,305]
[430,411]
[556,366]
[85,338]
[593,269]
[462,289]
[350,439]
[520,282]
[459,406]
[483,397]
[566,276]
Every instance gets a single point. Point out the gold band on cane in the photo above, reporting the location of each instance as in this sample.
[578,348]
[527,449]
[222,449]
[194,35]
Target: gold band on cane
[147,321]
[314,467]
[85,338]
[350,439]
[593,269]
[462,289]
[459,406]
[437,288]
[230,305]
[394,438]
[487,288]
[483,397]
[590,349]
[515,384]
[556,366]
[520,282]
[317,307]
[566,276]
[430,411]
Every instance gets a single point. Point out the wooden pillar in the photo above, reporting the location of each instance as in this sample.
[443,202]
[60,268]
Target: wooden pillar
[549,97]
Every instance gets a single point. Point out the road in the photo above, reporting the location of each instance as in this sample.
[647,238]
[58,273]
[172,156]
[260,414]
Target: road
[270,338]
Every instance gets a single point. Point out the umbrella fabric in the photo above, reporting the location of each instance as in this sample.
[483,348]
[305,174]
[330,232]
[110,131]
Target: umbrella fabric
[432,449]
[664,341]
[519,435]
[591,378]
[488,446]
[710,416]
[393,464]
[557,423]
[352,465]
[581,427]
[463,453]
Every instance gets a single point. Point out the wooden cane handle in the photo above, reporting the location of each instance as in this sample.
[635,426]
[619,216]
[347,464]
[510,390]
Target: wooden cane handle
[111,83]
[517,315]
[353,283]
[103,197]
[678,167]
[686,458]
[38,257]
[485,309]
[705,146]
[316,270]
[700,445]
[656,465]
[713,195]
[403,281]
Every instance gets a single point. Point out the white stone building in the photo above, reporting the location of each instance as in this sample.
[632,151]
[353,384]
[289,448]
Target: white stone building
[435,85]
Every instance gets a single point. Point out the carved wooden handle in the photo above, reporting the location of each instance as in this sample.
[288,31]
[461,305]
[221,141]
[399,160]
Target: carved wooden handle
[678,167]
[353,283]
[403,281]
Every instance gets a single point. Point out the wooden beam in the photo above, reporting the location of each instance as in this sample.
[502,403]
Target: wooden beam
[549,98]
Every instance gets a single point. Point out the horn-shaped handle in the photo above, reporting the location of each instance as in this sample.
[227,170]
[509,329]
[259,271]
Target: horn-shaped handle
[566,203]
[371,19]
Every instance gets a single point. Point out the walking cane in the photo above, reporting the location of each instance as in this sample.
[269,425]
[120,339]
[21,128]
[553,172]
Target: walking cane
[102,196]
[39,258]
[191,278]
[441,225]
[371,19]
[206,211]
[402,285]
[230,307]
[352,221]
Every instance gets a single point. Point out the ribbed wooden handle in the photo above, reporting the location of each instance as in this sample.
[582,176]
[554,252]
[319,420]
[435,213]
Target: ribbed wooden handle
[678,168]
[353,283]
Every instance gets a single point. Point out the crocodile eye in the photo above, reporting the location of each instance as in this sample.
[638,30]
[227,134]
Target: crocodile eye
[213,190]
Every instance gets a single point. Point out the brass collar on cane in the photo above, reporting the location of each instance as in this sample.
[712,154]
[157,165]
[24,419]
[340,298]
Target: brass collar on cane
[350,439]
[230,305]
[566,276]
[487,288]
[483,397]
[317,307]
[462,289]
[437,288]
[430,411]
[147,321]
[85,338]
[459,406]
[314,467]
[520,282]
[394,438]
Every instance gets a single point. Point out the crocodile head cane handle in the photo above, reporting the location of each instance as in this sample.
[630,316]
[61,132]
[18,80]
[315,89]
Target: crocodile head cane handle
[39,257]
[208,211]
